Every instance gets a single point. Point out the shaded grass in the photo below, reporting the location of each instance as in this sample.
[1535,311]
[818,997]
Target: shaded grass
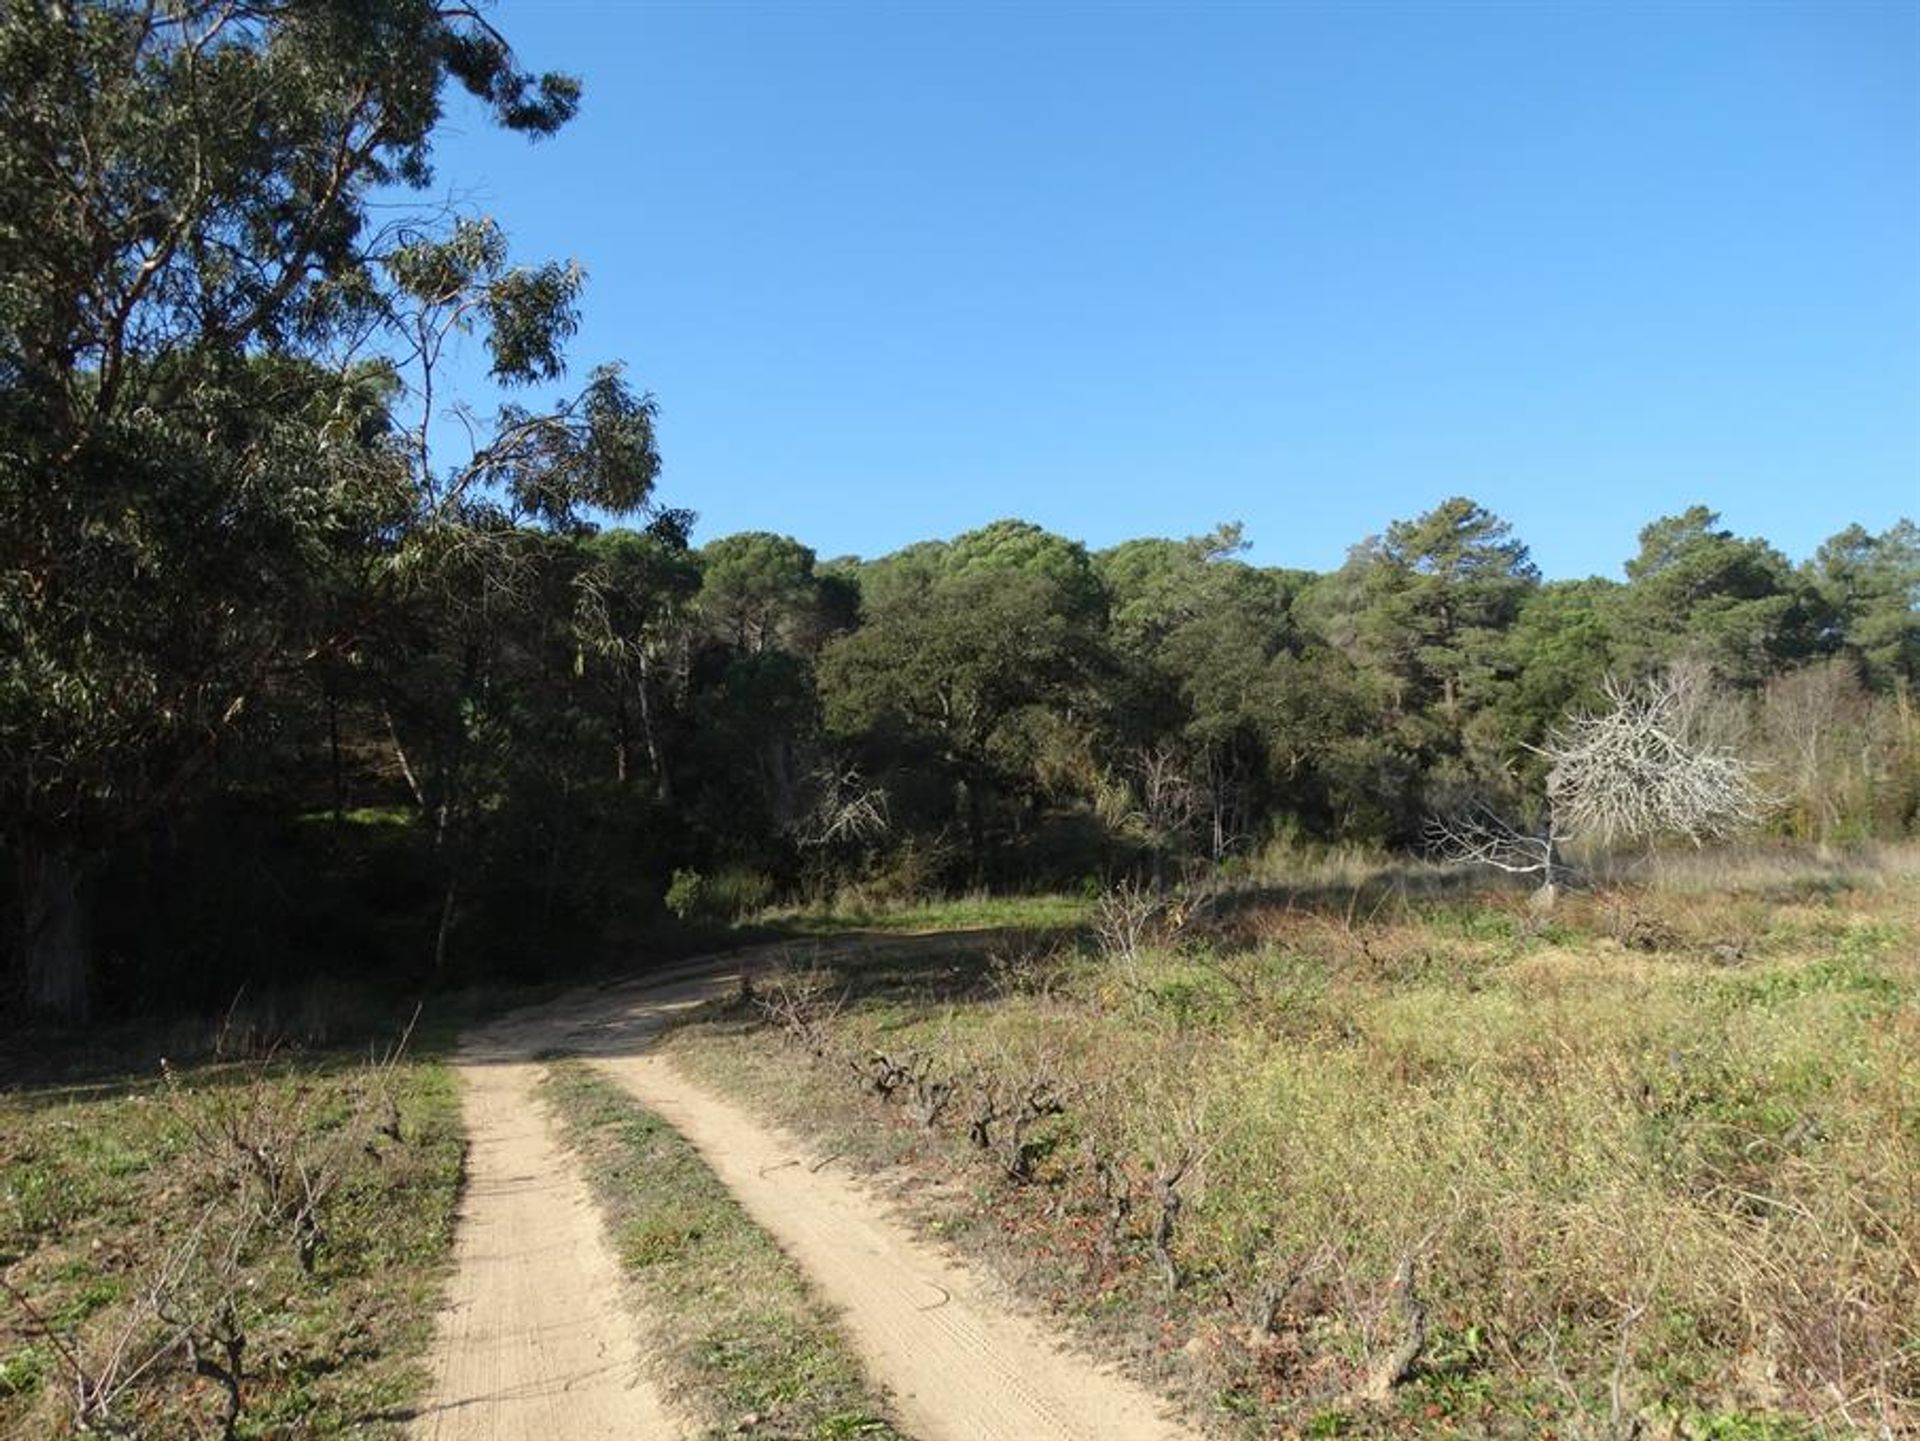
[99,1186]
[961,913]
[744,1345]
[1663,1144]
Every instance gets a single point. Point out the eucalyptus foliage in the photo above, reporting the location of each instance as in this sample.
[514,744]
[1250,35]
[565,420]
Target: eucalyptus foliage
[217,365]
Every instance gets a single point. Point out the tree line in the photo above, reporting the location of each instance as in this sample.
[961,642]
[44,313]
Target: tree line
[288,690]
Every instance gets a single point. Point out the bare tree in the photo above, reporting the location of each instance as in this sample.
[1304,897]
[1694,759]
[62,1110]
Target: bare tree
[1817,723]
[1642,767]
[1126,919]
[846,809]
[1169,802]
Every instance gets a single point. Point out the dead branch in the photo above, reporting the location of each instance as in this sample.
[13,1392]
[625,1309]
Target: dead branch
[1282,1292]
[1125,920]
[798,1007]
[882,1074]
[846,810]
[1479,836]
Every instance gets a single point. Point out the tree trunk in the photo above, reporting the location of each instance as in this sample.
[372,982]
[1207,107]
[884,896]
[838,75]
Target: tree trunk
[333,749]
[55,942]
[663,784]
[445,928]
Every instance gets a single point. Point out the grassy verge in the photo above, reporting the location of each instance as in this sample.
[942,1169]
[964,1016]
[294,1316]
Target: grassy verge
[744,1346]
[962,913]
[1652,1161]
[134,1220]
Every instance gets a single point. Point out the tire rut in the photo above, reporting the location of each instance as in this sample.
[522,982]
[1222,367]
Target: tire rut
[961,1365]
[533,1341]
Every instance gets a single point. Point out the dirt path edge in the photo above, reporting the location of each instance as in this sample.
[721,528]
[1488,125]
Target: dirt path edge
[959,1361]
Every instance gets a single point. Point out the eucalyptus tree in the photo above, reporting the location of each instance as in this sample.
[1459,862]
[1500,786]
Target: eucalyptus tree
[218,372]
[633,620]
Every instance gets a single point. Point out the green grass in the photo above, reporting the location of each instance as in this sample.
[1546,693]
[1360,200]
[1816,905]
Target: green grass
[744,1345]
[1674,1125]
[100,1187]
[378,817]
[964,913]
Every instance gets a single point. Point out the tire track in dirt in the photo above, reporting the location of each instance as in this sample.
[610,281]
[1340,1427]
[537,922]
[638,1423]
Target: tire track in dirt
[958,1363]
[533,1343]
[961,1365]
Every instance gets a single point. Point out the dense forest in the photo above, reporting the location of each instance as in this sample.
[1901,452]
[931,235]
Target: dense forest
[286,690]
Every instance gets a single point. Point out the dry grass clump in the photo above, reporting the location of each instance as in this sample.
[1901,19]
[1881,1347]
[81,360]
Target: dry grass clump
[1653,1162]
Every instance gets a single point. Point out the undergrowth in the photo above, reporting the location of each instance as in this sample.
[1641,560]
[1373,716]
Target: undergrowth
[1648,1164]
[247,1248]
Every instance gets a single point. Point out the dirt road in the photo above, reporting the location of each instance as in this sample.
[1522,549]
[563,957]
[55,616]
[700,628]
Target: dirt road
[534,1341]
[959,1361]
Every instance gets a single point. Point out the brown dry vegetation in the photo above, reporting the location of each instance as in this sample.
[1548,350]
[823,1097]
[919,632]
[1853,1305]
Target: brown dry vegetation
[1648,1165]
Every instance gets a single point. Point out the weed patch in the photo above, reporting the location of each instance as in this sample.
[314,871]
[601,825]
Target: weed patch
[234,1248]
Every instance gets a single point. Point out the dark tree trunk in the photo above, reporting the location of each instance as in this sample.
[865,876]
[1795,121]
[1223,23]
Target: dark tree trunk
[333,750]
[444,929]
[663,784]
[55,941]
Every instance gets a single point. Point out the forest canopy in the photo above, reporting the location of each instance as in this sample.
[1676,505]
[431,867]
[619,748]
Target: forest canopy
[287,690]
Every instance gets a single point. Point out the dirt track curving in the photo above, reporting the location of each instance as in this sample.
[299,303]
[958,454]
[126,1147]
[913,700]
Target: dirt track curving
[960,1364]
[534,1344]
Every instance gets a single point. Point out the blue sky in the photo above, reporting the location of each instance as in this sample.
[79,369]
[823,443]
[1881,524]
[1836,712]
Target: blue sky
[893,272]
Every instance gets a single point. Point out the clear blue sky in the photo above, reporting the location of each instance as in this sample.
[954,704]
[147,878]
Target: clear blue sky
[896,271]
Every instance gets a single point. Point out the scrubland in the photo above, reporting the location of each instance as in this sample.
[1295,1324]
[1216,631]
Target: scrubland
[1385,1155]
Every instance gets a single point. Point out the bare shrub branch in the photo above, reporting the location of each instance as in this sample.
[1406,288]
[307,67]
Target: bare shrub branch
[263,1156]
[1479,836]
[1167,1177]
[1393,1368]
[1116,1205]
[846,810]
[798,1006]
[1126,918]
[931,1094]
